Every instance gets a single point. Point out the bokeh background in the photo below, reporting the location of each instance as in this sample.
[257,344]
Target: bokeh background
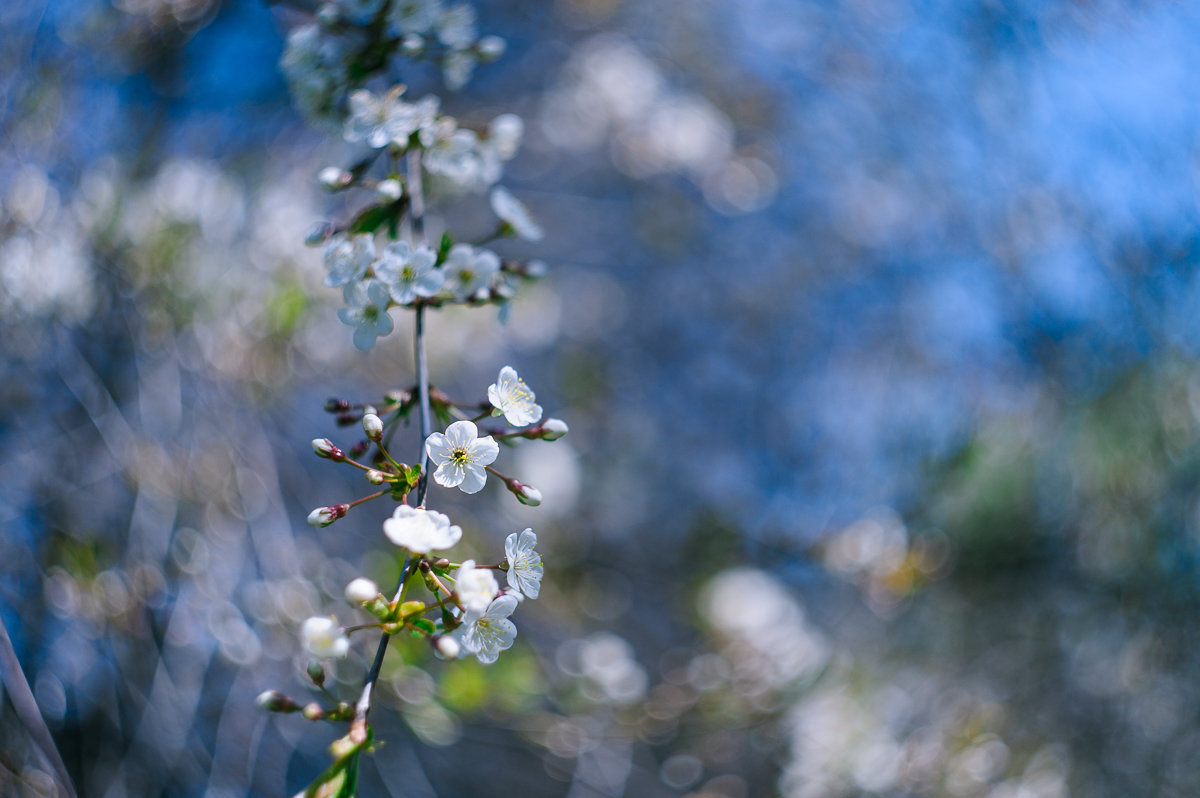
[875,323]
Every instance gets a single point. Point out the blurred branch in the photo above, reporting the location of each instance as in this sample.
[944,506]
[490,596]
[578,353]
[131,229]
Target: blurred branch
[27,710]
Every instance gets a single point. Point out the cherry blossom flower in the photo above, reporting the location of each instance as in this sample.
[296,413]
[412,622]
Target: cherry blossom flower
[514,214]
[488,634]
[475,587]
[323,638]
[421,531]
[367,312]
[370,116]
[468,270]
[460,455]
[347,259]
[524,563]
[409,273]
[514,399]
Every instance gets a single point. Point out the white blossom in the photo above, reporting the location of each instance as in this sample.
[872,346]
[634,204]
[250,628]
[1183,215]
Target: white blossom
[361,590]
[511,396]
[504,135]
[457,68]
[475,587]
[372,425]
[492,632]
[524,563]
[333,178]
[460,455]
[490,48]
[361,12]
[513,212]
[389,190]
[323,638]
[348,258]
[370,117]
[366,311]
[314,65]
[421,531]
[409,273]
[415,16]
[456,27]
[467,270]
[420,117]
[448,646]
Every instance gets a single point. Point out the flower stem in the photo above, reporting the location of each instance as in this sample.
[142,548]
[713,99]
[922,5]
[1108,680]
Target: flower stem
[417,215]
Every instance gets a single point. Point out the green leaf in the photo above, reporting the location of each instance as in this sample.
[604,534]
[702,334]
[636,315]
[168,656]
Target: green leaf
[370,219]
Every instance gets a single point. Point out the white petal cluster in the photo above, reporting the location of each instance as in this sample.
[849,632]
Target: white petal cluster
[513,212]
[476,587]
[348,258]
[323,638]
[421,531]
[511,396]
[367,305]
[524,563]
[469,270]
[491,632]
[459,159]
[409,273]
[361,590]
[460,455]
[315,67]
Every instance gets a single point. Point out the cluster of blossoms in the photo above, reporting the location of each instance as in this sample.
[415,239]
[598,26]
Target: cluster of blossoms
[473,613]
[381,260]
[323,57]
[440,155]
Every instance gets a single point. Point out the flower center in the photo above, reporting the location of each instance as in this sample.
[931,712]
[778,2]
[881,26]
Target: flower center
[466,276]
[460,457]
[408,274]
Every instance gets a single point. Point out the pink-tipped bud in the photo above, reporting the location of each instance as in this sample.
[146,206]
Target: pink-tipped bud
[325,448]
[275,701]
[553,429]
[373,426]
[526,494]
[334,179]
[324,516]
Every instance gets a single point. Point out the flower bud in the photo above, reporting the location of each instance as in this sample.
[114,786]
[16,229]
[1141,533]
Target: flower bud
[489,48]
[389,190]
[413,45]
[275,701]
[375,477]
[447,646]
[359,449]
[361,590]
[373,426]
[553,429]
[316,672]
[529,495]
[313,711]
[318,234]
[324,516]
[334,178]
[325,448]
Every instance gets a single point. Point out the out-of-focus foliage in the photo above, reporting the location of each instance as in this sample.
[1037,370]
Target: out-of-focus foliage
[875,323]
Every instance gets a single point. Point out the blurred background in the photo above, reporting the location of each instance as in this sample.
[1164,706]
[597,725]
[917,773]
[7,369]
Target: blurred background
[874,321]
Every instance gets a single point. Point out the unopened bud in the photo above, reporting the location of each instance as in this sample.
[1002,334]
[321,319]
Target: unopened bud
[359,449]
[275,701]
[389,190]
[324,516]
[361,590]
[373,426]
[553,429]
[489,48]
[335,405]
[316,672]
[325,448]
[313,711]
[318,234]
[413,44]
[333,178]
[526,494]
[346,419]
[375,477]
[447,646]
